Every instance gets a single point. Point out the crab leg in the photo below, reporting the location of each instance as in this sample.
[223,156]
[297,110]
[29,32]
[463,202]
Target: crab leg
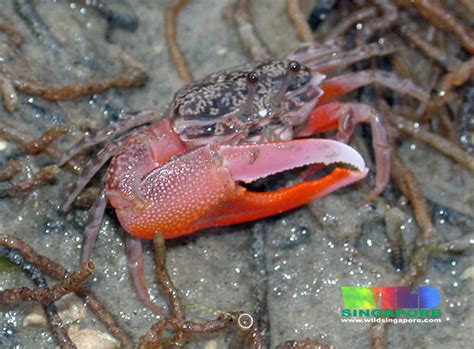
[109,133]
[136,267]
[342,59]
[343,117]
[342,84]
[92,167]
[94,221]
[315,51]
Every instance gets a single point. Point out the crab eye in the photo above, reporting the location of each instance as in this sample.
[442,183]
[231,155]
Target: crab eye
[291,72]
[294,66]
[211,129]
[252,77]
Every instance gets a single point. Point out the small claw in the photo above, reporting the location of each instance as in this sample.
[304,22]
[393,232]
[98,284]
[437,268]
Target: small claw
[248,163]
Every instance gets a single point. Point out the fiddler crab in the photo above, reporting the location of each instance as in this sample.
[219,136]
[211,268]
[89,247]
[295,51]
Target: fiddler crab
[184,173]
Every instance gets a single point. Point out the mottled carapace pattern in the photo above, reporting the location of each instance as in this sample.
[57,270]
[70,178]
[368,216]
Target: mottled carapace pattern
[212,106]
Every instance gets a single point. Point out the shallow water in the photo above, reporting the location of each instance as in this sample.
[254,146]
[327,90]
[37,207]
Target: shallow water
[288,269]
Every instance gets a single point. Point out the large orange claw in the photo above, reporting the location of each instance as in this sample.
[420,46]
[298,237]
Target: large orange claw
[200,189]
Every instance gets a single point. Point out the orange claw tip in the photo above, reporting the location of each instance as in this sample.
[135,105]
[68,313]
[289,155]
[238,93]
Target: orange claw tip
[249,206]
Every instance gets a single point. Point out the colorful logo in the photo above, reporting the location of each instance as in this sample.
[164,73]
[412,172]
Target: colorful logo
[395,304]
[390,297]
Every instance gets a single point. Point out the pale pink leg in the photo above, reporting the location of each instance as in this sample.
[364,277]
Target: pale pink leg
[92,167]
[314,51]
[110,132]
[343,117]
[137,271]
[342,59]
[94,221]
[342,84]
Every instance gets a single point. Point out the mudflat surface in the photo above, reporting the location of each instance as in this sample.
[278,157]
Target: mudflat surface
[287,268]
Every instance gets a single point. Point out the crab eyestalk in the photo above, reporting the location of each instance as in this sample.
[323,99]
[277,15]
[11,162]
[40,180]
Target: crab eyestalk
[291,72]
[252,83]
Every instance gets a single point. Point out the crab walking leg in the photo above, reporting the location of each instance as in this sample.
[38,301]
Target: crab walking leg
[109,133]
[311,51]
[94,221]
[136,267]
[92,167]
[343,117]
[342,59]
[342,84]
